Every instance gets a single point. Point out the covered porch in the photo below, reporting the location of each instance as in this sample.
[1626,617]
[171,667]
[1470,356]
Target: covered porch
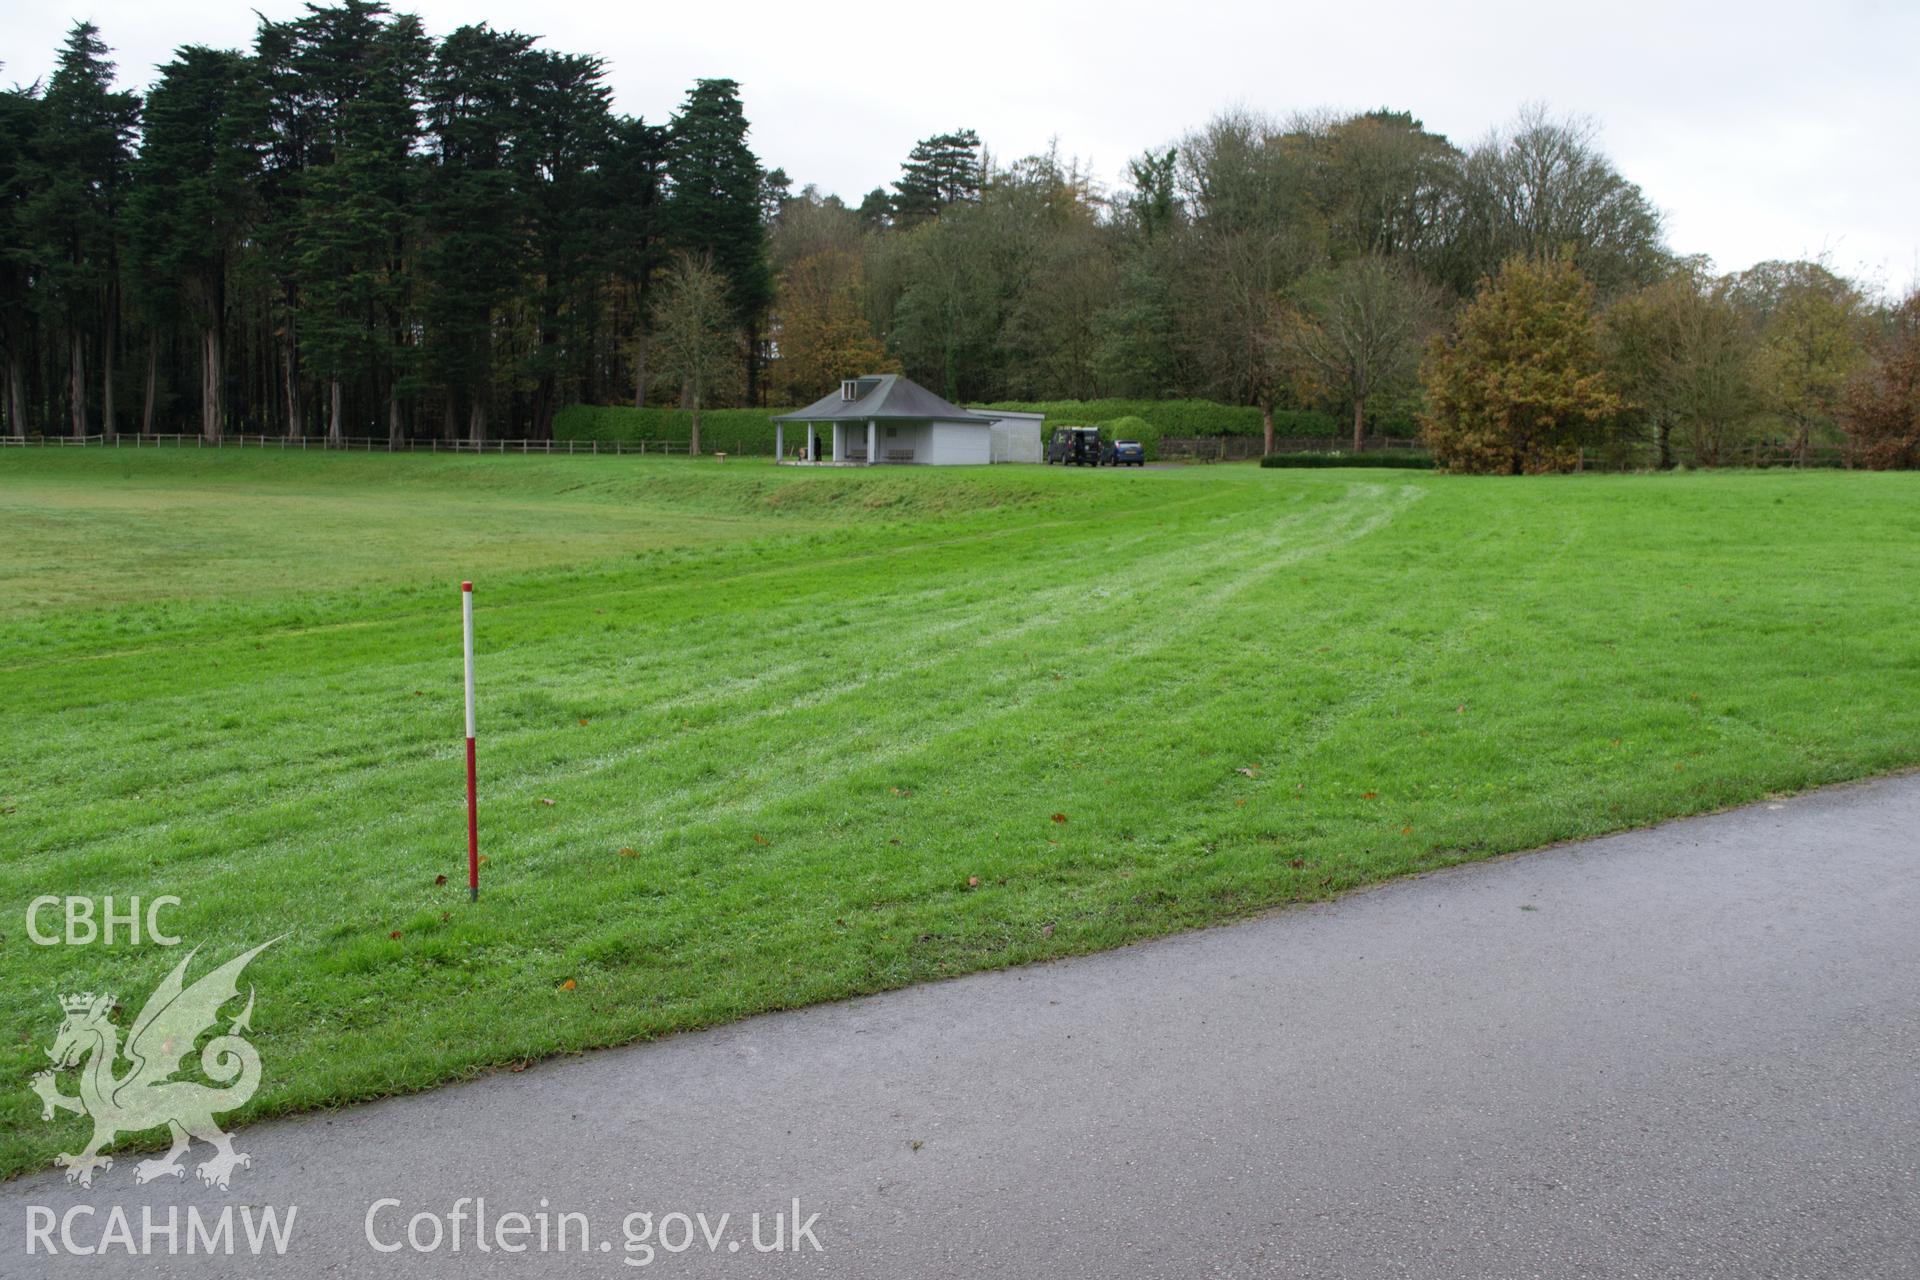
[850,444]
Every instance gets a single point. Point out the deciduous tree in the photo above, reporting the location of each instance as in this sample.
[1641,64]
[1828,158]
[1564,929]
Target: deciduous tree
[1518,386]
[696,339]
[824,337]
[1361,326]
[1544,188]
[1810,323]
[1687,364]
[1881,407]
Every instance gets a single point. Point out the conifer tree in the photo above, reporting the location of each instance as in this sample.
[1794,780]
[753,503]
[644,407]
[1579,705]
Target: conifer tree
[714,204]
[192,197]
[473,211]
[940,171]
[82,155]
[19,123]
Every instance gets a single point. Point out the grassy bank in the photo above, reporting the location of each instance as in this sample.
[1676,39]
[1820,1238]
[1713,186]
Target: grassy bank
[753,738]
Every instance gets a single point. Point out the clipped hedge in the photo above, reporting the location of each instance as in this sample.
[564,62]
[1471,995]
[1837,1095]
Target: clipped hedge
[736,431]
[1411,461]
[1178,417]
[1148,421]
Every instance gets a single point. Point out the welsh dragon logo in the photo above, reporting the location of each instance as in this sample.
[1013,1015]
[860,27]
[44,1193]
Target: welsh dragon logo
[146,1096]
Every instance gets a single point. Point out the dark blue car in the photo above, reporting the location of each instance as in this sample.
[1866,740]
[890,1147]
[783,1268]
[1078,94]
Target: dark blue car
[1126,453]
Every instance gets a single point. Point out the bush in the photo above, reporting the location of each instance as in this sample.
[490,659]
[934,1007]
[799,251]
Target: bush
[1411,461]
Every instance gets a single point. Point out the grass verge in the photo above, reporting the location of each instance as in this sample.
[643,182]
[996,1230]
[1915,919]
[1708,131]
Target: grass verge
[809,734]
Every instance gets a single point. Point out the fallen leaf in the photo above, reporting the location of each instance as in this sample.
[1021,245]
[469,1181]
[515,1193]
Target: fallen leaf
[1046,931]
[517,1067]
[759,839]
[973,882]
[439,879]
[916,1144]
[1460,710]
[484,858]
[1296,863]
[395,934]
[583,719]
[546,801]
[1241,803]
[1368,795]
[628,851]
[568,985]
[1059,817]
[1406,831]
[1249,772]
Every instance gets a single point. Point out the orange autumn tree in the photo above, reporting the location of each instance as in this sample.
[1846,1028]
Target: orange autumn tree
[1881,410]
[824,334]
[1518,387]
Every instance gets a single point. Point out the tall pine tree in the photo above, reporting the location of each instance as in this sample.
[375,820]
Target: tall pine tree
[566,131]
[19,123]
[714,206]
[82,155]
[473,212]
[353,238]
[634,192]
[191,204]
[940,171]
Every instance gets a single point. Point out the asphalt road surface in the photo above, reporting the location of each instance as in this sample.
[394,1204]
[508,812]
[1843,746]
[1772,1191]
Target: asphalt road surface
[1687,1052]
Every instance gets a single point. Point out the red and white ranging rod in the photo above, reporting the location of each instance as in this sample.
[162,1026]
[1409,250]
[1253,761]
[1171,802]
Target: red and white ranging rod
[473,805]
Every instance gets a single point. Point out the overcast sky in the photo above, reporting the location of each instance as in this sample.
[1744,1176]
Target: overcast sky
[1761,129]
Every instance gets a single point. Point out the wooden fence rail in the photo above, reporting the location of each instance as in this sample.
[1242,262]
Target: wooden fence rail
[364,444]
[1638,457]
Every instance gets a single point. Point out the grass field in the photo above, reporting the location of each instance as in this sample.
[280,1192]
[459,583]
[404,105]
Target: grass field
[807,734]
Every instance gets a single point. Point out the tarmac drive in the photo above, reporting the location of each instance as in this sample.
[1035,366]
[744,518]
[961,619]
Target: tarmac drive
[1686,1052]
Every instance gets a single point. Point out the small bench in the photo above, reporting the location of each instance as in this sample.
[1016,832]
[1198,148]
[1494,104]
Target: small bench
[899,455]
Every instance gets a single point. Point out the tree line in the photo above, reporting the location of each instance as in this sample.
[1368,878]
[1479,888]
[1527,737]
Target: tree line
[355,228]
[1333,262]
